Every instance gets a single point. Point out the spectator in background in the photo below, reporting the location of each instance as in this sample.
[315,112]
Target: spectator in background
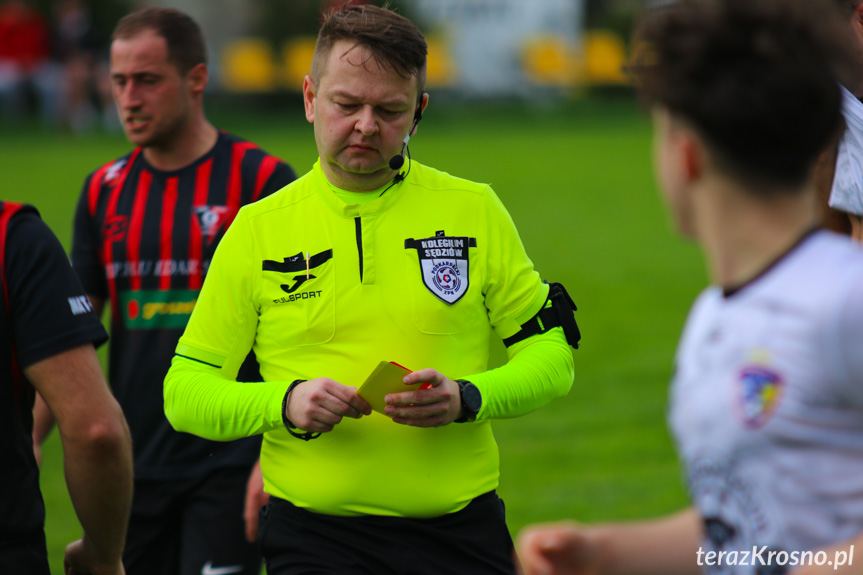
[25,63]
[86,81]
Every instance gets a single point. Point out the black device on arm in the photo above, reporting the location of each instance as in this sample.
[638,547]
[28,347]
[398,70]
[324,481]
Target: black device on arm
[556,312]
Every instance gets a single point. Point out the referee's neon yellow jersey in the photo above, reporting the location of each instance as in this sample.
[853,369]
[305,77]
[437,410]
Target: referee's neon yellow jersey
[421,276]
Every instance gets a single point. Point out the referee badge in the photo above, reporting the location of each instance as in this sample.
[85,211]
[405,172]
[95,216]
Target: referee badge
[444,264]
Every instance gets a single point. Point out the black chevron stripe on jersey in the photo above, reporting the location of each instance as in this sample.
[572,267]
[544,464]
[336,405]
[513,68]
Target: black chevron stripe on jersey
[297,263]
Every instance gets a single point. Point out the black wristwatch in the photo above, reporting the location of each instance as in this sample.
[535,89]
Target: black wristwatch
[471,400]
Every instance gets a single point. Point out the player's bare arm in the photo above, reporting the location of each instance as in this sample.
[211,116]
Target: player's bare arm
[840,549]
[97,451]
[43,419]
[318,405]
[256,498]
[43,423]
[564,547]
[664,546]
[434,406]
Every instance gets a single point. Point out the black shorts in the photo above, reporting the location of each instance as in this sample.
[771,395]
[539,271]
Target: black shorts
[28,556]
[190,527]
[472,541]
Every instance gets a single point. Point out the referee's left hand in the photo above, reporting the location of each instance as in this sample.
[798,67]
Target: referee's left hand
[435,406]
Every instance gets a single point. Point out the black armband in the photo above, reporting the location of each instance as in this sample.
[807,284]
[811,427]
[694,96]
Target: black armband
[306,436]
[557,311]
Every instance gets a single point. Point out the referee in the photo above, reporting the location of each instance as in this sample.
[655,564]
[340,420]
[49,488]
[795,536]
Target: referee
[145,230]
[372,257]
[47,336]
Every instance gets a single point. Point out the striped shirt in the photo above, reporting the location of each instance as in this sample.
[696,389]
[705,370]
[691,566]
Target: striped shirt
[143,240]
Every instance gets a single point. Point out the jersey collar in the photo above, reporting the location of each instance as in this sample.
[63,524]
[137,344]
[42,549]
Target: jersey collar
[380,204]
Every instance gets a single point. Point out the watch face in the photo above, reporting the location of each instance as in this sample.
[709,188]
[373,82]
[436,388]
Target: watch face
[472,397]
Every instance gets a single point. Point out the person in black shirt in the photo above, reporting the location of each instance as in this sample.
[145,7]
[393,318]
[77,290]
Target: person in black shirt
[47,336]
[146,228]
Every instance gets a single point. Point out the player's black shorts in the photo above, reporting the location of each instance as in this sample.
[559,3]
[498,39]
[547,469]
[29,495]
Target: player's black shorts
[28,556]
[474,540]
[191,527]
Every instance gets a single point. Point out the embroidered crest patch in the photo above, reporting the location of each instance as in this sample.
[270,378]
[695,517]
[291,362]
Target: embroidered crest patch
[444,264]
[760,391]
[213,219]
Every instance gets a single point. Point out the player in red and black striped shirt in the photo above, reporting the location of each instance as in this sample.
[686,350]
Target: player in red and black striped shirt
[47,333]
[146,228]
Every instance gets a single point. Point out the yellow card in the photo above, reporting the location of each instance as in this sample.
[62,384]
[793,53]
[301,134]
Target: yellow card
[385,379]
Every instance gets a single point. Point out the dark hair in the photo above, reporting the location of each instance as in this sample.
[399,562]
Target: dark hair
[848,6]
[186,47]
[393,40]
[756,78]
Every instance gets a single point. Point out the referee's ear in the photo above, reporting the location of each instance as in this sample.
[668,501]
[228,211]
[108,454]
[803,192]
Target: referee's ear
[424,101]
[309,98]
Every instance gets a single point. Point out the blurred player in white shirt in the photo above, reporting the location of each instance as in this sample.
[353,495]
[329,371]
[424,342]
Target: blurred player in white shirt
[767,397]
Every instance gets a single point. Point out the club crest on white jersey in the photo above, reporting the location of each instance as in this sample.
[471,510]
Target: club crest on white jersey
[760,391]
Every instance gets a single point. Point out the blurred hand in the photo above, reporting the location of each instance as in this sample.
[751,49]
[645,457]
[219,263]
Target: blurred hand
[319,404]
[79,561]
[558,549]
[256,498]
[435,404]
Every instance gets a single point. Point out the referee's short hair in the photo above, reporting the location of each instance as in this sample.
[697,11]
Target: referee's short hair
[394,41]
[756,79]
[185,40]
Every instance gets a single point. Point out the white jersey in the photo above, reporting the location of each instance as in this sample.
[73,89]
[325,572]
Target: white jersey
[767,407]
[846,194]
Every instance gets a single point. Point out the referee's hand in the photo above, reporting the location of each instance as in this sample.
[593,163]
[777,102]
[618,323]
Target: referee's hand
[319,404]
[433,406]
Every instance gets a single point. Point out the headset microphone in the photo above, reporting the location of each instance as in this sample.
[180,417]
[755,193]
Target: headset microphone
[397,161]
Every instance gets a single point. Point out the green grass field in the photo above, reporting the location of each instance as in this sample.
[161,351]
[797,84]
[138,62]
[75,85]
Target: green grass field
[578,184]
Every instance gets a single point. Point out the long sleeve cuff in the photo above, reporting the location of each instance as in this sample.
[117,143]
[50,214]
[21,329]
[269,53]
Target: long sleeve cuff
[200,401]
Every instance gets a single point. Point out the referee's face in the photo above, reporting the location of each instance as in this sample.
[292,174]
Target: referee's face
[362,113]
[152,98]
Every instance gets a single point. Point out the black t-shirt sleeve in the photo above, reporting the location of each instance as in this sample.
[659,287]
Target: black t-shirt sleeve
[282,175]
[50,311]
[86,242]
